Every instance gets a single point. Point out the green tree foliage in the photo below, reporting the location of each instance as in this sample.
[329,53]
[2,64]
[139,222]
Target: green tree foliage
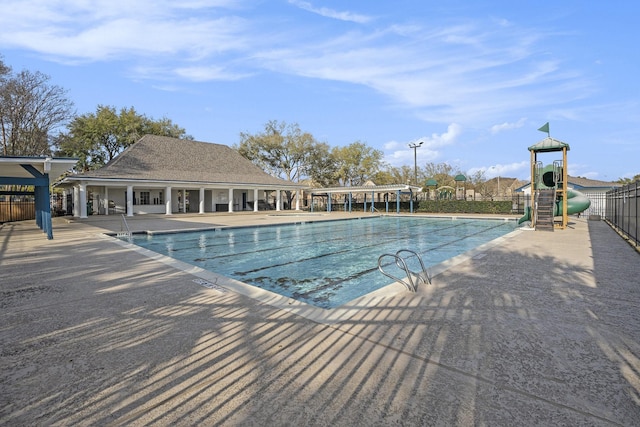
[321,169]
[96,138]
[386,177]
[31,110]
[443,173]
[402,175]
[285,151]
[625,181]
[282,150]
[357,163]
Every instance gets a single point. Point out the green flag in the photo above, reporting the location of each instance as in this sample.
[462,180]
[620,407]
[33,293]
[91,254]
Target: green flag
[545,128]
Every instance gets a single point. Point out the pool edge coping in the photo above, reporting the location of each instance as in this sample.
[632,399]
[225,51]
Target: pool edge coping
[215,281]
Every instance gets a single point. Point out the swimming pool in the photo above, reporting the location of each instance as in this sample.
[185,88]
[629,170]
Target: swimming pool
[323,263]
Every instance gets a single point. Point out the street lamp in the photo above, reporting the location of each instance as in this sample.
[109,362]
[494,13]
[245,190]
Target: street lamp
[493,167]
[415,159]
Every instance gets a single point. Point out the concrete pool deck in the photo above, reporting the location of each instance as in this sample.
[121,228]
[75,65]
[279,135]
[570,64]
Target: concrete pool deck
[543,329]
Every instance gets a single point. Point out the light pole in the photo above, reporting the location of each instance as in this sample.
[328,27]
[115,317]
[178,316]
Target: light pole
[493,167]
[415,160]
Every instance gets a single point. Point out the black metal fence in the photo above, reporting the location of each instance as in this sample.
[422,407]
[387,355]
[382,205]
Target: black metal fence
[622,210]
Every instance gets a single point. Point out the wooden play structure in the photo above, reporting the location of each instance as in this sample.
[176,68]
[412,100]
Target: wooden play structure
[550,197]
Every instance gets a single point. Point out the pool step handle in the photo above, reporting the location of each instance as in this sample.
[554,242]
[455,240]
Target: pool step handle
[414,278]
[125,231]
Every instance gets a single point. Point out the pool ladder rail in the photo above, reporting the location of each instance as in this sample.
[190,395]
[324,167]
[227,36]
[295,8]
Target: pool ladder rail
[414,277]
[124,229]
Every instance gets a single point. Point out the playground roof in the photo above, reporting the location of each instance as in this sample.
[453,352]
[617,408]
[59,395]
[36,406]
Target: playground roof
[368,189]
[549,144]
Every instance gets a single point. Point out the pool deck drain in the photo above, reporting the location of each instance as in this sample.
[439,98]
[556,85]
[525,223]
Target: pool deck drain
[540,329]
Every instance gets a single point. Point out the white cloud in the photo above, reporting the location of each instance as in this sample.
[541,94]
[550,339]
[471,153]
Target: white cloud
[507,126]
[330,13]
[202,74]
[460,73]
[398,153]
[516,169]
[73,31]
[474,72]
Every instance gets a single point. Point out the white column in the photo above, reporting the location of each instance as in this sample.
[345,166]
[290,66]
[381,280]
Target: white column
[277,200]
[167,201]
[184,201]
[255,200]
[201,200]
[129,200]
[213,200]
[64,200]
[231,200]
[297,200]
[83,200]
[106,200]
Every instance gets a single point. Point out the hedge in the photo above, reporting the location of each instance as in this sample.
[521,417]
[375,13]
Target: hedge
[465,206]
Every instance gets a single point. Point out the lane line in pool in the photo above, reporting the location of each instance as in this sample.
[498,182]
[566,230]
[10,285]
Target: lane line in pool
[308,311]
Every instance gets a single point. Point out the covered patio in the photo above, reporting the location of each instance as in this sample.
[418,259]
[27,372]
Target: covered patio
[369,204]
[34,172]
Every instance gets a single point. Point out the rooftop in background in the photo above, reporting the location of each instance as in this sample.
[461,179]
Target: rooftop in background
[582,183]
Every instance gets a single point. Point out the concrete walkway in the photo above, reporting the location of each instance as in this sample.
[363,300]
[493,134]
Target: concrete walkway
[541,330]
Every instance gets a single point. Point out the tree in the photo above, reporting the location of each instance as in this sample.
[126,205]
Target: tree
[443,173]
[402,175]
[386,177]
[321,168]
[5,71]
[357,163]
[31,110]
[97,138]
[284,151]
[625,181]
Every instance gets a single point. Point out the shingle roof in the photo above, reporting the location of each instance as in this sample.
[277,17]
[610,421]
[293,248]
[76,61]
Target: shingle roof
[581,183]
[592,183]
[160,158]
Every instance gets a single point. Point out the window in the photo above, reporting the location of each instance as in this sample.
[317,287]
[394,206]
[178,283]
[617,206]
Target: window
[145,198]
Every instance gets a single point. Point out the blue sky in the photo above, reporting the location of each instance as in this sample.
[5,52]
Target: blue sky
[472,80]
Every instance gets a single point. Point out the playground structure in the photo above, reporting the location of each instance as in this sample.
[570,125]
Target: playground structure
[550,196]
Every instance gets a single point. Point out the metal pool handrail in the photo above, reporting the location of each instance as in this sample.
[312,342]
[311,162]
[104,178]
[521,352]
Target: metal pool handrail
[124,229]
[414,278]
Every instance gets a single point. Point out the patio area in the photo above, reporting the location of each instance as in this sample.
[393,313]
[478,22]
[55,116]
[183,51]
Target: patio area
[543,329]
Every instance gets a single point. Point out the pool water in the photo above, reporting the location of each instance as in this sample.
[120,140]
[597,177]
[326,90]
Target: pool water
[323,263]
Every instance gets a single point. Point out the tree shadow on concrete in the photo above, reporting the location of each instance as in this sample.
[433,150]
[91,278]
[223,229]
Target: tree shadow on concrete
[513,338]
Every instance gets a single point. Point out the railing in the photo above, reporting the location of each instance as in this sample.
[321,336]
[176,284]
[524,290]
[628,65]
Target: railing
[622,210]
[414,277]
[124,229]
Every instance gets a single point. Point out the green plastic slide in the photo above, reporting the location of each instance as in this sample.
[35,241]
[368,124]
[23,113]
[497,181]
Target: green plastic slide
[576,203]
